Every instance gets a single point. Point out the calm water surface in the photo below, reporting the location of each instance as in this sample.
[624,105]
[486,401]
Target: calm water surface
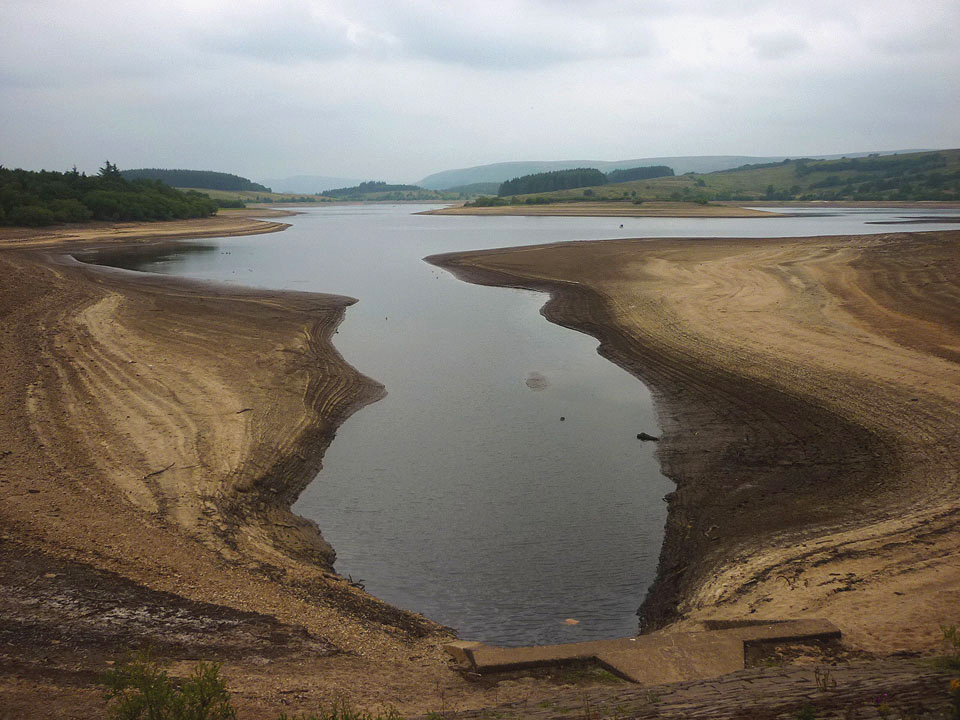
[462,494]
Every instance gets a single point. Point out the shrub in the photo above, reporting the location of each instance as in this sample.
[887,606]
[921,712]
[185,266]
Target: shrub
[70,210]
[951,637]
[33,215]
[343,711]
[139,690]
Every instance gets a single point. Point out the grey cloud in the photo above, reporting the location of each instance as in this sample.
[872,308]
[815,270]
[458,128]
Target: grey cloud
[348,88]
[523,36]
[279,37]
[777,44]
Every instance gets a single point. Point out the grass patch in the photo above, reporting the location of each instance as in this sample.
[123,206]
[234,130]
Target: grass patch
[586,674]
[140,688]
[343,711]
[951,659]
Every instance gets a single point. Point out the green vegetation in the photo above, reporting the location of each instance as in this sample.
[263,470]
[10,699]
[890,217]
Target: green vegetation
[474,189]
[639,173]
[250,196]
[375,190]
[343,711]
[550,181]
[909,177]
[140,689]
[379,191]
[236,204]
[546,182]
[195,179]
[951,638]
[45,198]
[371,187]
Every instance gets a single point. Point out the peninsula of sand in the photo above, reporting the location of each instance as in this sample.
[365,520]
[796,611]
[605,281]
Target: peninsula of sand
[808,391]
[154,433]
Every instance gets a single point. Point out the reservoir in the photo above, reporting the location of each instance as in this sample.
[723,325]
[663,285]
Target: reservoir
[462,494]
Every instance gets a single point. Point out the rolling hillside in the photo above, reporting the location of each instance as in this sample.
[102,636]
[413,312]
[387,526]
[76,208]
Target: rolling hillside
[500,172]
[195,179]
[913,176]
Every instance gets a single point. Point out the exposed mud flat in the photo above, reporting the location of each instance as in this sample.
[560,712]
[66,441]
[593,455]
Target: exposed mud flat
[153,433]
[809,395]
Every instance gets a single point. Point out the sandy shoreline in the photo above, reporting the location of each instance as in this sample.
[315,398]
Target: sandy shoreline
[808,393]
[154,432]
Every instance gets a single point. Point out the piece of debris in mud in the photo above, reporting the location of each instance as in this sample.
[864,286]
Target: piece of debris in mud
[536,381]
[647,438]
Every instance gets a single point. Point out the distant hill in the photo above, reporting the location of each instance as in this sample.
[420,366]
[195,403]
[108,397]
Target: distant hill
[500,172]
[910,176]
[311,184]
[195,179]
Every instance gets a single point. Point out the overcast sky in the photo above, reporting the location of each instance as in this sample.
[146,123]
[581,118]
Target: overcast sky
[399,89]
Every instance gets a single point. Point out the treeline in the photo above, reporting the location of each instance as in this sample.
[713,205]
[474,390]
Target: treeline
[647,172]
[886,165]
[369,188]
[553,180]
[577,178]
[206,179]
[46,198]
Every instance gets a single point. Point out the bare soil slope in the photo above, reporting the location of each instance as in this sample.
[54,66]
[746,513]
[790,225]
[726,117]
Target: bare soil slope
[809,396]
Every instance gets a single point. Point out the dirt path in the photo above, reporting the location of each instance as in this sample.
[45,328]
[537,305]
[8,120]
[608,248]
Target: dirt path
[809,396]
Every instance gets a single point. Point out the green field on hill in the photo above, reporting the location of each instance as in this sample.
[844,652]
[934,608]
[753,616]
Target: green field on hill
[914,176]
[255,196]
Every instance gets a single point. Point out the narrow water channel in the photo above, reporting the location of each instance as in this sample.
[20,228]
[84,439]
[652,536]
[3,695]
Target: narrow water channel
[463,495]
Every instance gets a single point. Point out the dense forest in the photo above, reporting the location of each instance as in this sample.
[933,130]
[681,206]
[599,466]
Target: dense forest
[578,178]
[47,198]
[205,179]
[639,173]
[554,180]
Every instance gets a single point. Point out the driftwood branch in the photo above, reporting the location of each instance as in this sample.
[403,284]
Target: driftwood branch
[158,472]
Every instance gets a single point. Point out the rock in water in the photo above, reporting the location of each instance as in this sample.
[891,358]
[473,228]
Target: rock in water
[647,438]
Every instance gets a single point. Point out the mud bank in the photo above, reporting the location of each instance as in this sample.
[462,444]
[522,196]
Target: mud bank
[153,435]
[807,390]
[153,432]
